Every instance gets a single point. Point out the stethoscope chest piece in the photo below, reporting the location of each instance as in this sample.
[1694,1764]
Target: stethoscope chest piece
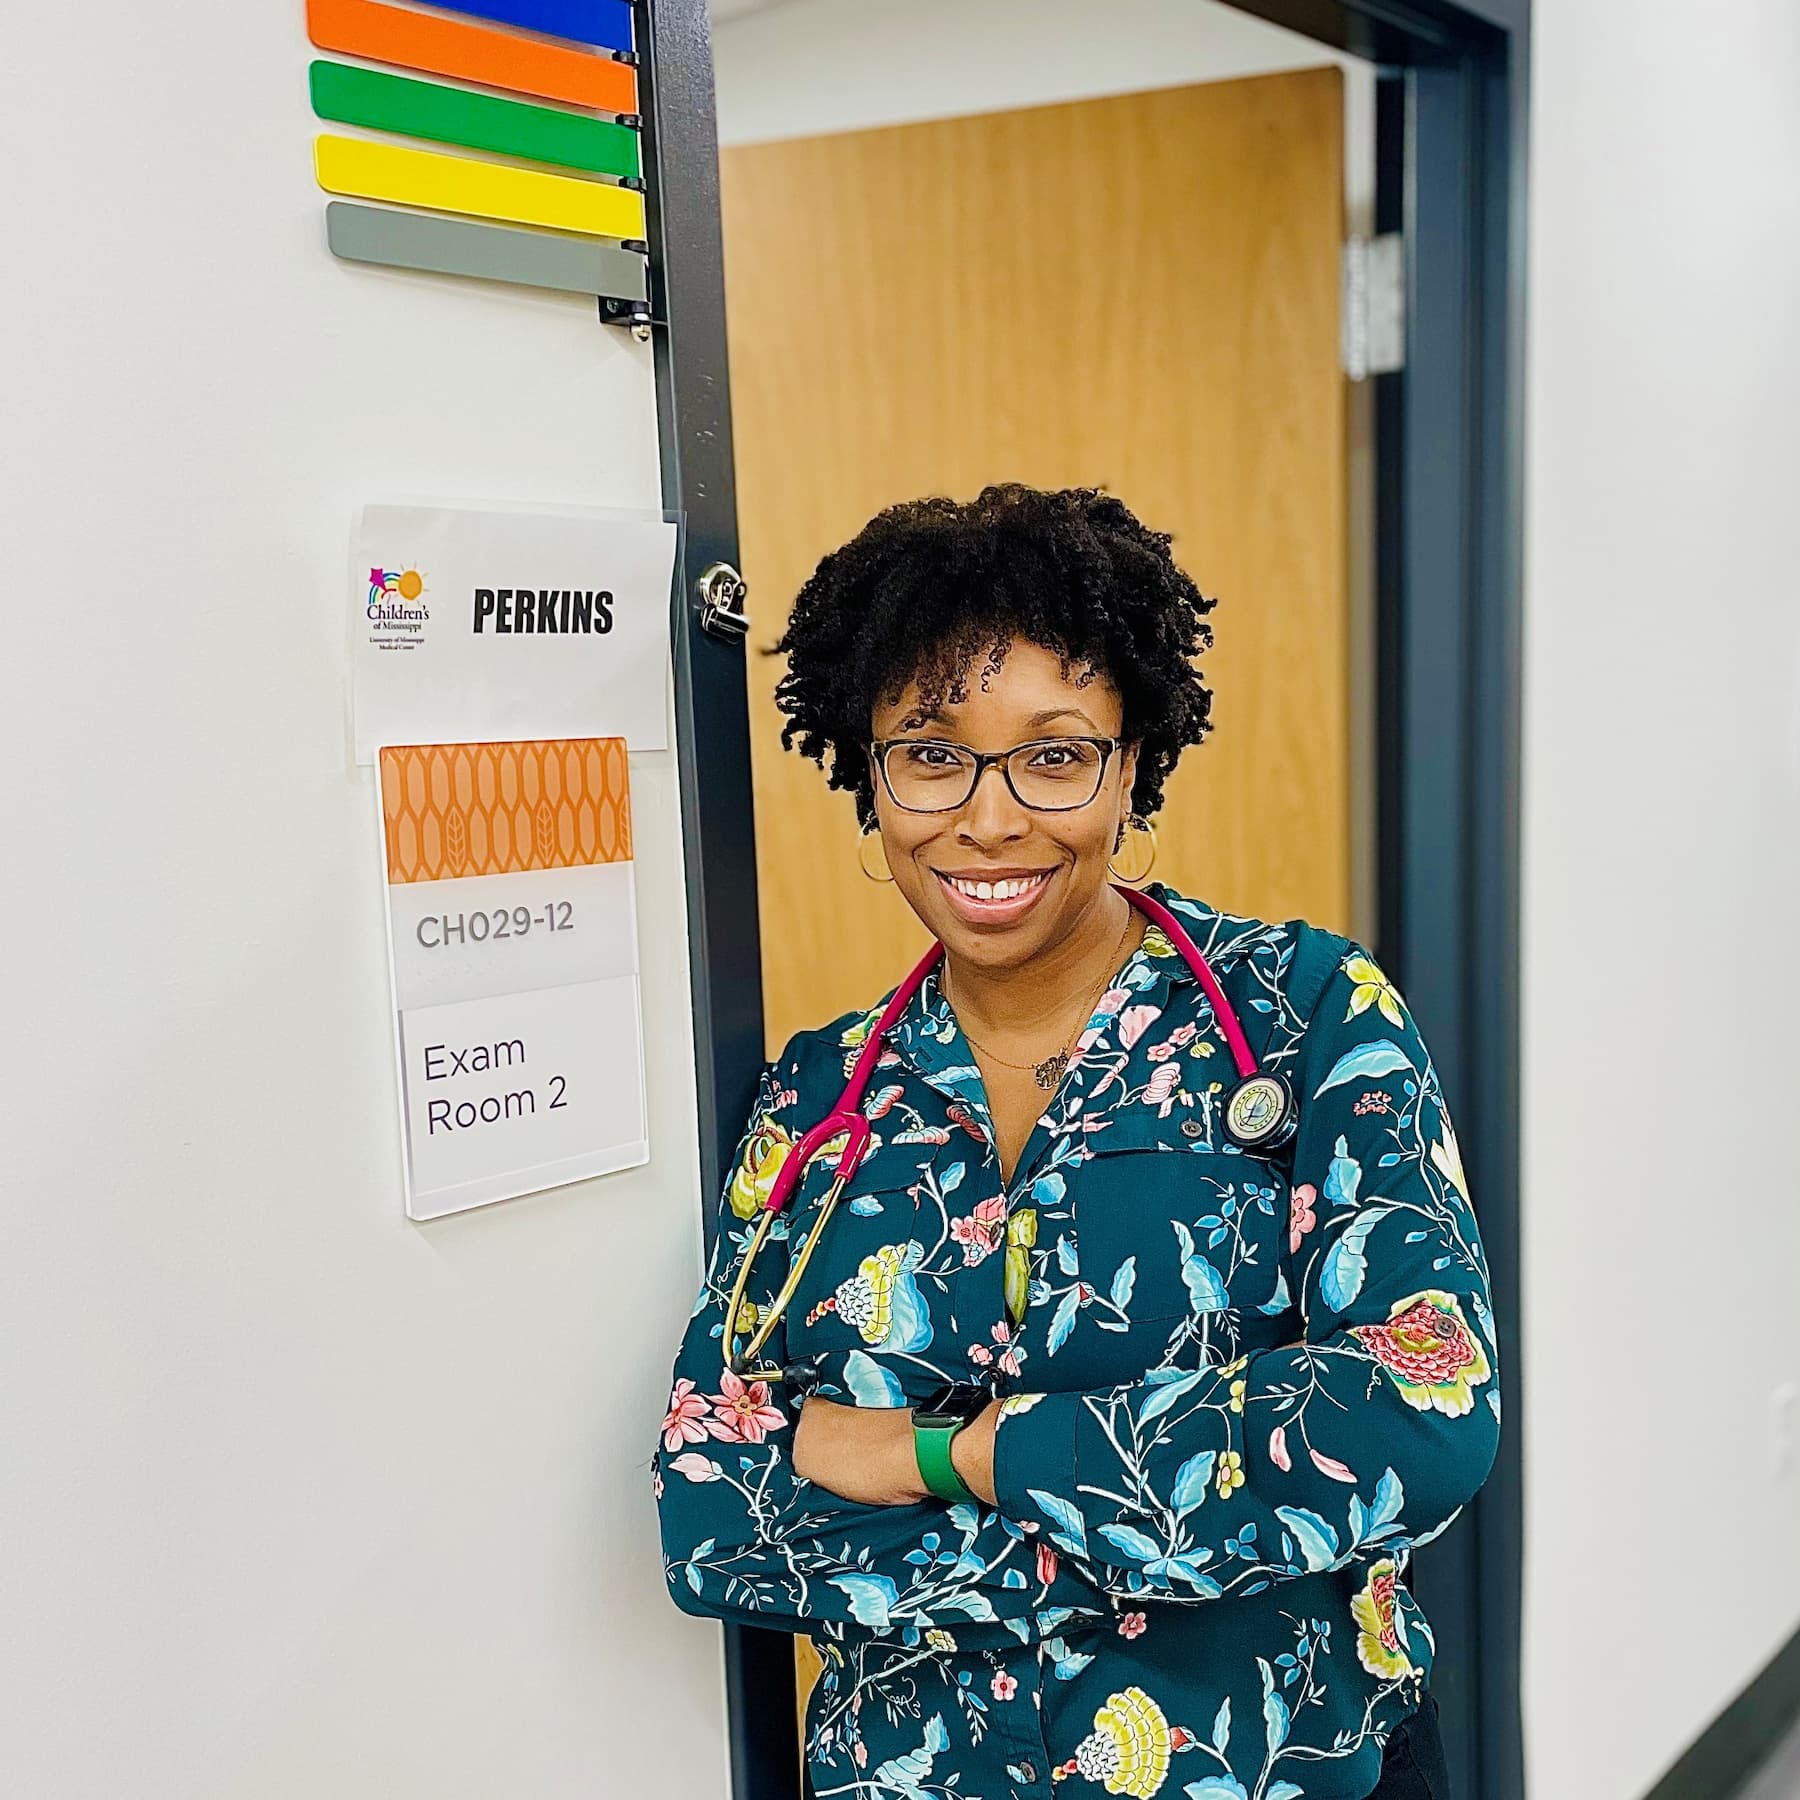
[1260,1113]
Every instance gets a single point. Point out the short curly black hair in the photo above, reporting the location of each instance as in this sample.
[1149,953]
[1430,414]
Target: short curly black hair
[928,586]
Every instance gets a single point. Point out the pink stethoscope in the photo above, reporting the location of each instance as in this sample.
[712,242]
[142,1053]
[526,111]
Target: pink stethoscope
[1259,1114]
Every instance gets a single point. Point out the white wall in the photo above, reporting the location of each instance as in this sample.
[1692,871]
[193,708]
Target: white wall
[300,1499]
[800,68]
[1662,873]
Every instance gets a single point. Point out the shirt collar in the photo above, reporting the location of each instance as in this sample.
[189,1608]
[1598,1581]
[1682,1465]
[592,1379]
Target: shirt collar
[927,1039]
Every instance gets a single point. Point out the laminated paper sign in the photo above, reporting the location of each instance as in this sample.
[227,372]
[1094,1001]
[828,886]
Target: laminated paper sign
[474,625]
[512,942]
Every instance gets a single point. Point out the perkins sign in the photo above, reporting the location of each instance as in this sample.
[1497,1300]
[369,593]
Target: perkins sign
[442,653]
[542,611]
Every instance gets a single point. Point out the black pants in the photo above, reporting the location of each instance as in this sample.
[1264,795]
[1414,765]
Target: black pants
[1413,1766]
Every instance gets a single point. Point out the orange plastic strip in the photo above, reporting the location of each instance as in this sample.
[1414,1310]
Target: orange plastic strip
[453,810]
[438,46]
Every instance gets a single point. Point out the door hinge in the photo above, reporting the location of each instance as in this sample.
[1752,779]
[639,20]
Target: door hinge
[1374,305]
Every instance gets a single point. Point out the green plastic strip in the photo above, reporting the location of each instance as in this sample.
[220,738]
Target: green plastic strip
[546,259]
[446,115]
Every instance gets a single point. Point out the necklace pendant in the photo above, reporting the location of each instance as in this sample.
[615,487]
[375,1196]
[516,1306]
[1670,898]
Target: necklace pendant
[1050,1071]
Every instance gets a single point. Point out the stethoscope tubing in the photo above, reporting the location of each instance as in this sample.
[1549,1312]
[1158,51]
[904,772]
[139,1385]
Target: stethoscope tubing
[847,1115]
[847,1119]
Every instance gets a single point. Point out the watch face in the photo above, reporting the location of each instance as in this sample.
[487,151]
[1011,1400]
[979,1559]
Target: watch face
[955,1400]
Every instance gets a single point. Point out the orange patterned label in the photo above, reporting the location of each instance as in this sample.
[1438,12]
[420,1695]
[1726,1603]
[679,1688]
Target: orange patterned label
[499,809]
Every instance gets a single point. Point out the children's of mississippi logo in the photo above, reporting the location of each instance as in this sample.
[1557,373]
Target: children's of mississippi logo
[396,600]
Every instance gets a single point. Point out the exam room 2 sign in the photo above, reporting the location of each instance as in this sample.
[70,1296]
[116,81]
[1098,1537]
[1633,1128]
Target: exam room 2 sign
[512,937]
[507,624]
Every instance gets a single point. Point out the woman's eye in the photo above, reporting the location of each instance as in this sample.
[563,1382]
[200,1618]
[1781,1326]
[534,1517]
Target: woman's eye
[930,756]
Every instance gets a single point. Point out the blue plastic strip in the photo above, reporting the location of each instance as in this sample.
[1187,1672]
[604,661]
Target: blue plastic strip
[603,23]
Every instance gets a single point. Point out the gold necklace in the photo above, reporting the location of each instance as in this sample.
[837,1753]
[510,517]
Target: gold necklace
[1048,1074]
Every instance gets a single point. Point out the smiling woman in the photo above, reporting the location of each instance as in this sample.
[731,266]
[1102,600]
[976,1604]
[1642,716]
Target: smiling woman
[1102,1413]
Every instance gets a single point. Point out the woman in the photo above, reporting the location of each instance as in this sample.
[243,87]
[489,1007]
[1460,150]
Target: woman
[1227,1390]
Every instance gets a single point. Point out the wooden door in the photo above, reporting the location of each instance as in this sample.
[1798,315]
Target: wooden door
[1138,292]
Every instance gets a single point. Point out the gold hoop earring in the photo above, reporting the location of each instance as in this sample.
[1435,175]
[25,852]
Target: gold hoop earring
[1135,822]
[880,880]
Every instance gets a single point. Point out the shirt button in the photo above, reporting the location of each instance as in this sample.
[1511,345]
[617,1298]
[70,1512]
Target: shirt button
[1027,1772]
[1192,1128]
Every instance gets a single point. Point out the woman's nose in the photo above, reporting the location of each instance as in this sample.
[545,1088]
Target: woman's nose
[991,814]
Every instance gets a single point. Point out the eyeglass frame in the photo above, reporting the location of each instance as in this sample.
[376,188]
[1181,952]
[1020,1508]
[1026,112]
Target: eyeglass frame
[984,759]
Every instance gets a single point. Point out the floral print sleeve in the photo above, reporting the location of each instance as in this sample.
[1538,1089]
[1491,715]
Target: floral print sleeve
[748,1541]
[1360,1440]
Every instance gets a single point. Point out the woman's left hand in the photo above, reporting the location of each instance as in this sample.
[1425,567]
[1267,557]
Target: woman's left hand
[865,1453]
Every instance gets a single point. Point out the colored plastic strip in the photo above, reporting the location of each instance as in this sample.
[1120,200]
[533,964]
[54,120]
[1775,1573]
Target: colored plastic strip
[606,23]
[446,115]
[438,46]
[370,171]
[403,240]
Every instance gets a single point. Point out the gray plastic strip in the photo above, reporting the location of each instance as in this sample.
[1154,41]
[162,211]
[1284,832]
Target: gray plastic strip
[403,240]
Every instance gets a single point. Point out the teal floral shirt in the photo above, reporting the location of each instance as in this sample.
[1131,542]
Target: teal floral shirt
[1238,1392]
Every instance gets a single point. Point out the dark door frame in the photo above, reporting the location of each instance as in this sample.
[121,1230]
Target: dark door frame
[1451,120]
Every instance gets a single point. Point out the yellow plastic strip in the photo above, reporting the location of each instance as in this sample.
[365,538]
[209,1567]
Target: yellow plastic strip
[458,184]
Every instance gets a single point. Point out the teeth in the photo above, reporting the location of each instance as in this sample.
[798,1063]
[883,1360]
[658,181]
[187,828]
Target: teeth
[995,890]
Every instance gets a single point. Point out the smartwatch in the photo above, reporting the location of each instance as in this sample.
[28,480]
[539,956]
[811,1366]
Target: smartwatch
[935,1425]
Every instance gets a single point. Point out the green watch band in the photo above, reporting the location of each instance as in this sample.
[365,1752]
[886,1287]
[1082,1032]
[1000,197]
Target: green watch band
[931,1445]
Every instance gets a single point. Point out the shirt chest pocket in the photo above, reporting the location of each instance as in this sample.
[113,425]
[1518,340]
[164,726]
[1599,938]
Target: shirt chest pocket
[1203,1230]
[864,1287]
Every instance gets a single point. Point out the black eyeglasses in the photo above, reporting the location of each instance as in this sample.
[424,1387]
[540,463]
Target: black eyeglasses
[929,775]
